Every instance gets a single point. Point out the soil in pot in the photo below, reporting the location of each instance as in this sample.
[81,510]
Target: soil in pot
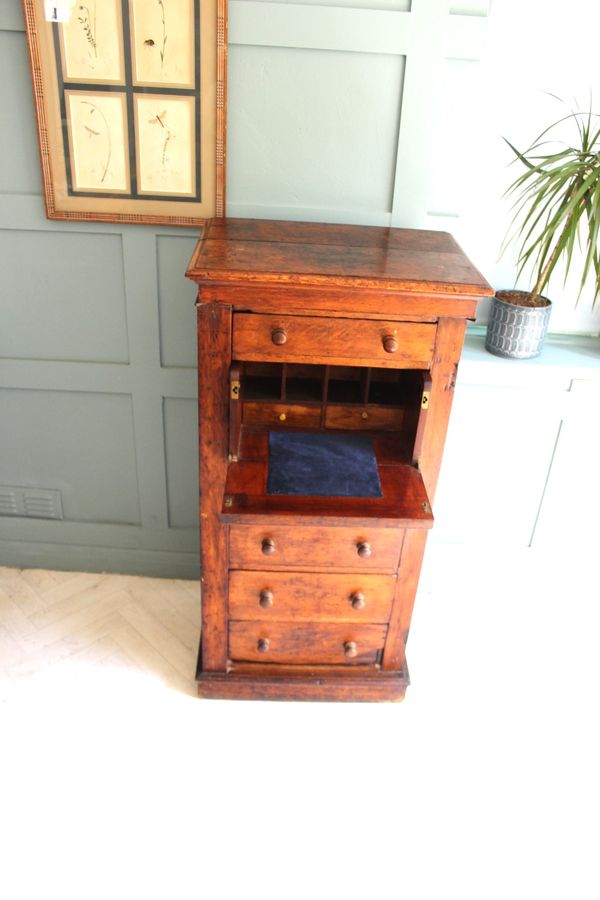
[522,298]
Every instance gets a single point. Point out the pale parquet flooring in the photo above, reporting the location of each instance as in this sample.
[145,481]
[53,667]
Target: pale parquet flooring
[116,783]
[50,619]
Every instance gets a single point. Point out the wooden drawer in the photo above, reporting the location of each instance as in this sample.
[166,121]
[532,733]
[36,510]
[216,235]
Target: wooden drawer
[295,415]
[313,547]
[287,642]
[270,596]
[315,339]
[368,418]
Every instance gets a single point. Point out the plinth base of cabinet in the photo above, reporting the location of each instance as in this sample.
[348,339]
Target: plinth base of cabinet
[316,684]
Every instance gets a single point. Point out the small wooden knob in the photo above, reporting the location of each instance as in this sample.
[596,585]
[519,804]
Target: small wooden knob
[364,414]
[358,600]
[350,649]
[363,549]
[282,417]
[268,546]
[262,645]
[390,343]
[279,336]
[266,598]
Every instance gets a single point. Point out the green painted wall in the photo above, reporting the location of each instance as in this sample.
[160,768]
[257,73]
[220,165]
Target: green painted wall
[326,122]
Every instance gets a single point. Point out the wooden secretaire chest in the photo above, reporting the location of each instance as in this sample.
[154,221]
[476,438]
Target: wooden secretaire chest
[327,359]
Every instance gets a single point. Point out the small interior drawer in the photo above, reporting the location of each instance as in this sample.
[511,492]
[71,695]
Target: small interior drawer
[288,642]
[300,596]
[274,546]
[314,339]
[358,418]
[293,415]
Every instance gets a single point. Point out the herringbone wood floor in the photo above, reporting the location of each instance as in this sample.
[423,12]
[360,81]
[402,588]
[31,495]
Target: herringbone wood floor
[50,619]
[116,783]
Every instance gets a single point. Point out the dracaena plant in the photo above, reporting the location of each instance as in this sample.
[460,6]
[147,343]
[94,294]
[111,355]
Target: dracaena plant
[557,203]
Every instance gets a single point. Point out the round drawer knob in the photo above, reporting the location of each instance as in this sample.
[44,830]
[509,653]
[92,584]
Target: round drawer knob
[279,336]
[364,414]
[358,600]
[268,546]
[350,649]
[266,598]
[363,549]
[282,417]
[262,645]
[390,343]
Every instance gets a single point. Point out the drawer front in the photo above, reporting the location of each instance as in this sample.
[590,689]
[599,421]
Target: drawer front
[369,418]
[286,642]
[396,345]
[297,596]
[294,415]
[313,547]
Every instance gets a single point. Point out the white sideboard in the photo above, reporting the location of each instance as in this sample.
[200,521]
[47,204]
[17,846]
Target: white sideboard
[520,483]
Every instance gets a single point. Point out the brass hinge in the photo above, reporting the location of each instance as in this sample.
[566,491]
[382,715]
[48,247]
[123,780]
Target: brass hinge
[425,400]
[235,390]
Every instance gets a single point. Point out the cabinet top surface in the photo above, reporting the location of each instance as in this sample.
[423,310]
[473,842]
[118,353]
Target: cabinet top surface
[309,253]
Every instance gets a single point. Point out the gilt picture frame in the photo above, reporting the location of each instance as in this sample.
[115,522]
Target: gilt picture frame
[130,100]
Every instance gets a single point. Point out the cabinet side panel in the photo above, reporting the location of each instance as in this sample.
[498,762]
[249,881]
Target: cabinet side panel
[214,354]
[411,558]
[446,354]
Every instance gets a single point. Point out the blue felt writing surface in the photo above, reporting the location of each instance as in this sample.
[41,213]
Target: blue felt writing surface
[322,465]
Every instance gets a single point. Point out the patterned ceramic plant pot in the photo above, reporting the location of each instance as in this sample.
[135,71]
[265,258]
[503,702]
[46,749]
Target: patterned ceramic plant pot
[516,332]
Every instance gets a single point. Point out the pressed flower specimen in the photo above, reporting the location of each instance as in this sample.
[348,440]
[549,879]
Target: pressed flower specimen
[151,43]
[164,33]
[98,127]
[88,23]
[160,119]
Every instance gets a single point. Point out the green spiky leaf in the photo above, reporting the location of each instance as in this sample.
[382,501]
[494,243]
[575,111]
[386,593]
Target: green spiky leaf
[557,203]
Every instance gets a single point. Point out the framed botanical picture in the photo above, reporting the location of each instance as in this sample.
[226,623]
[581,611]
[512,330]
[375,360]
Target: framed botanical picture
[130,104]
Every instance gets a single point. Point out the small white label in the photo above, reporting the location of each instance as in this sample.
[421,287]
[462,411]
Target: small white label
[58,10]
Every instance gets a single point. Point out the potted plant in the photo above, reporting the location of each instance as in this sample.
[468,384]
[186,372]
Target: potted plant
[557,206]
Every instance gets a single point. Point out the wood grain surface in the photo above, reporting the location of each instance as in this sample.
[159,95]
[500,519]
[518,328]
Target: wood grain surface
[360,418]
[314,547]
[313,596]
[295,415]
[248,681]
[330,300]
[214,341]
[404,502]
[304,643]
[339,341]
[247,250]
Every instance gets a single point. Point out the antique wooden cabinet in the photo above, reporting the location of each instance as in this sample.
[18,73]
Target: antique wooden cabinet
[342,341]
